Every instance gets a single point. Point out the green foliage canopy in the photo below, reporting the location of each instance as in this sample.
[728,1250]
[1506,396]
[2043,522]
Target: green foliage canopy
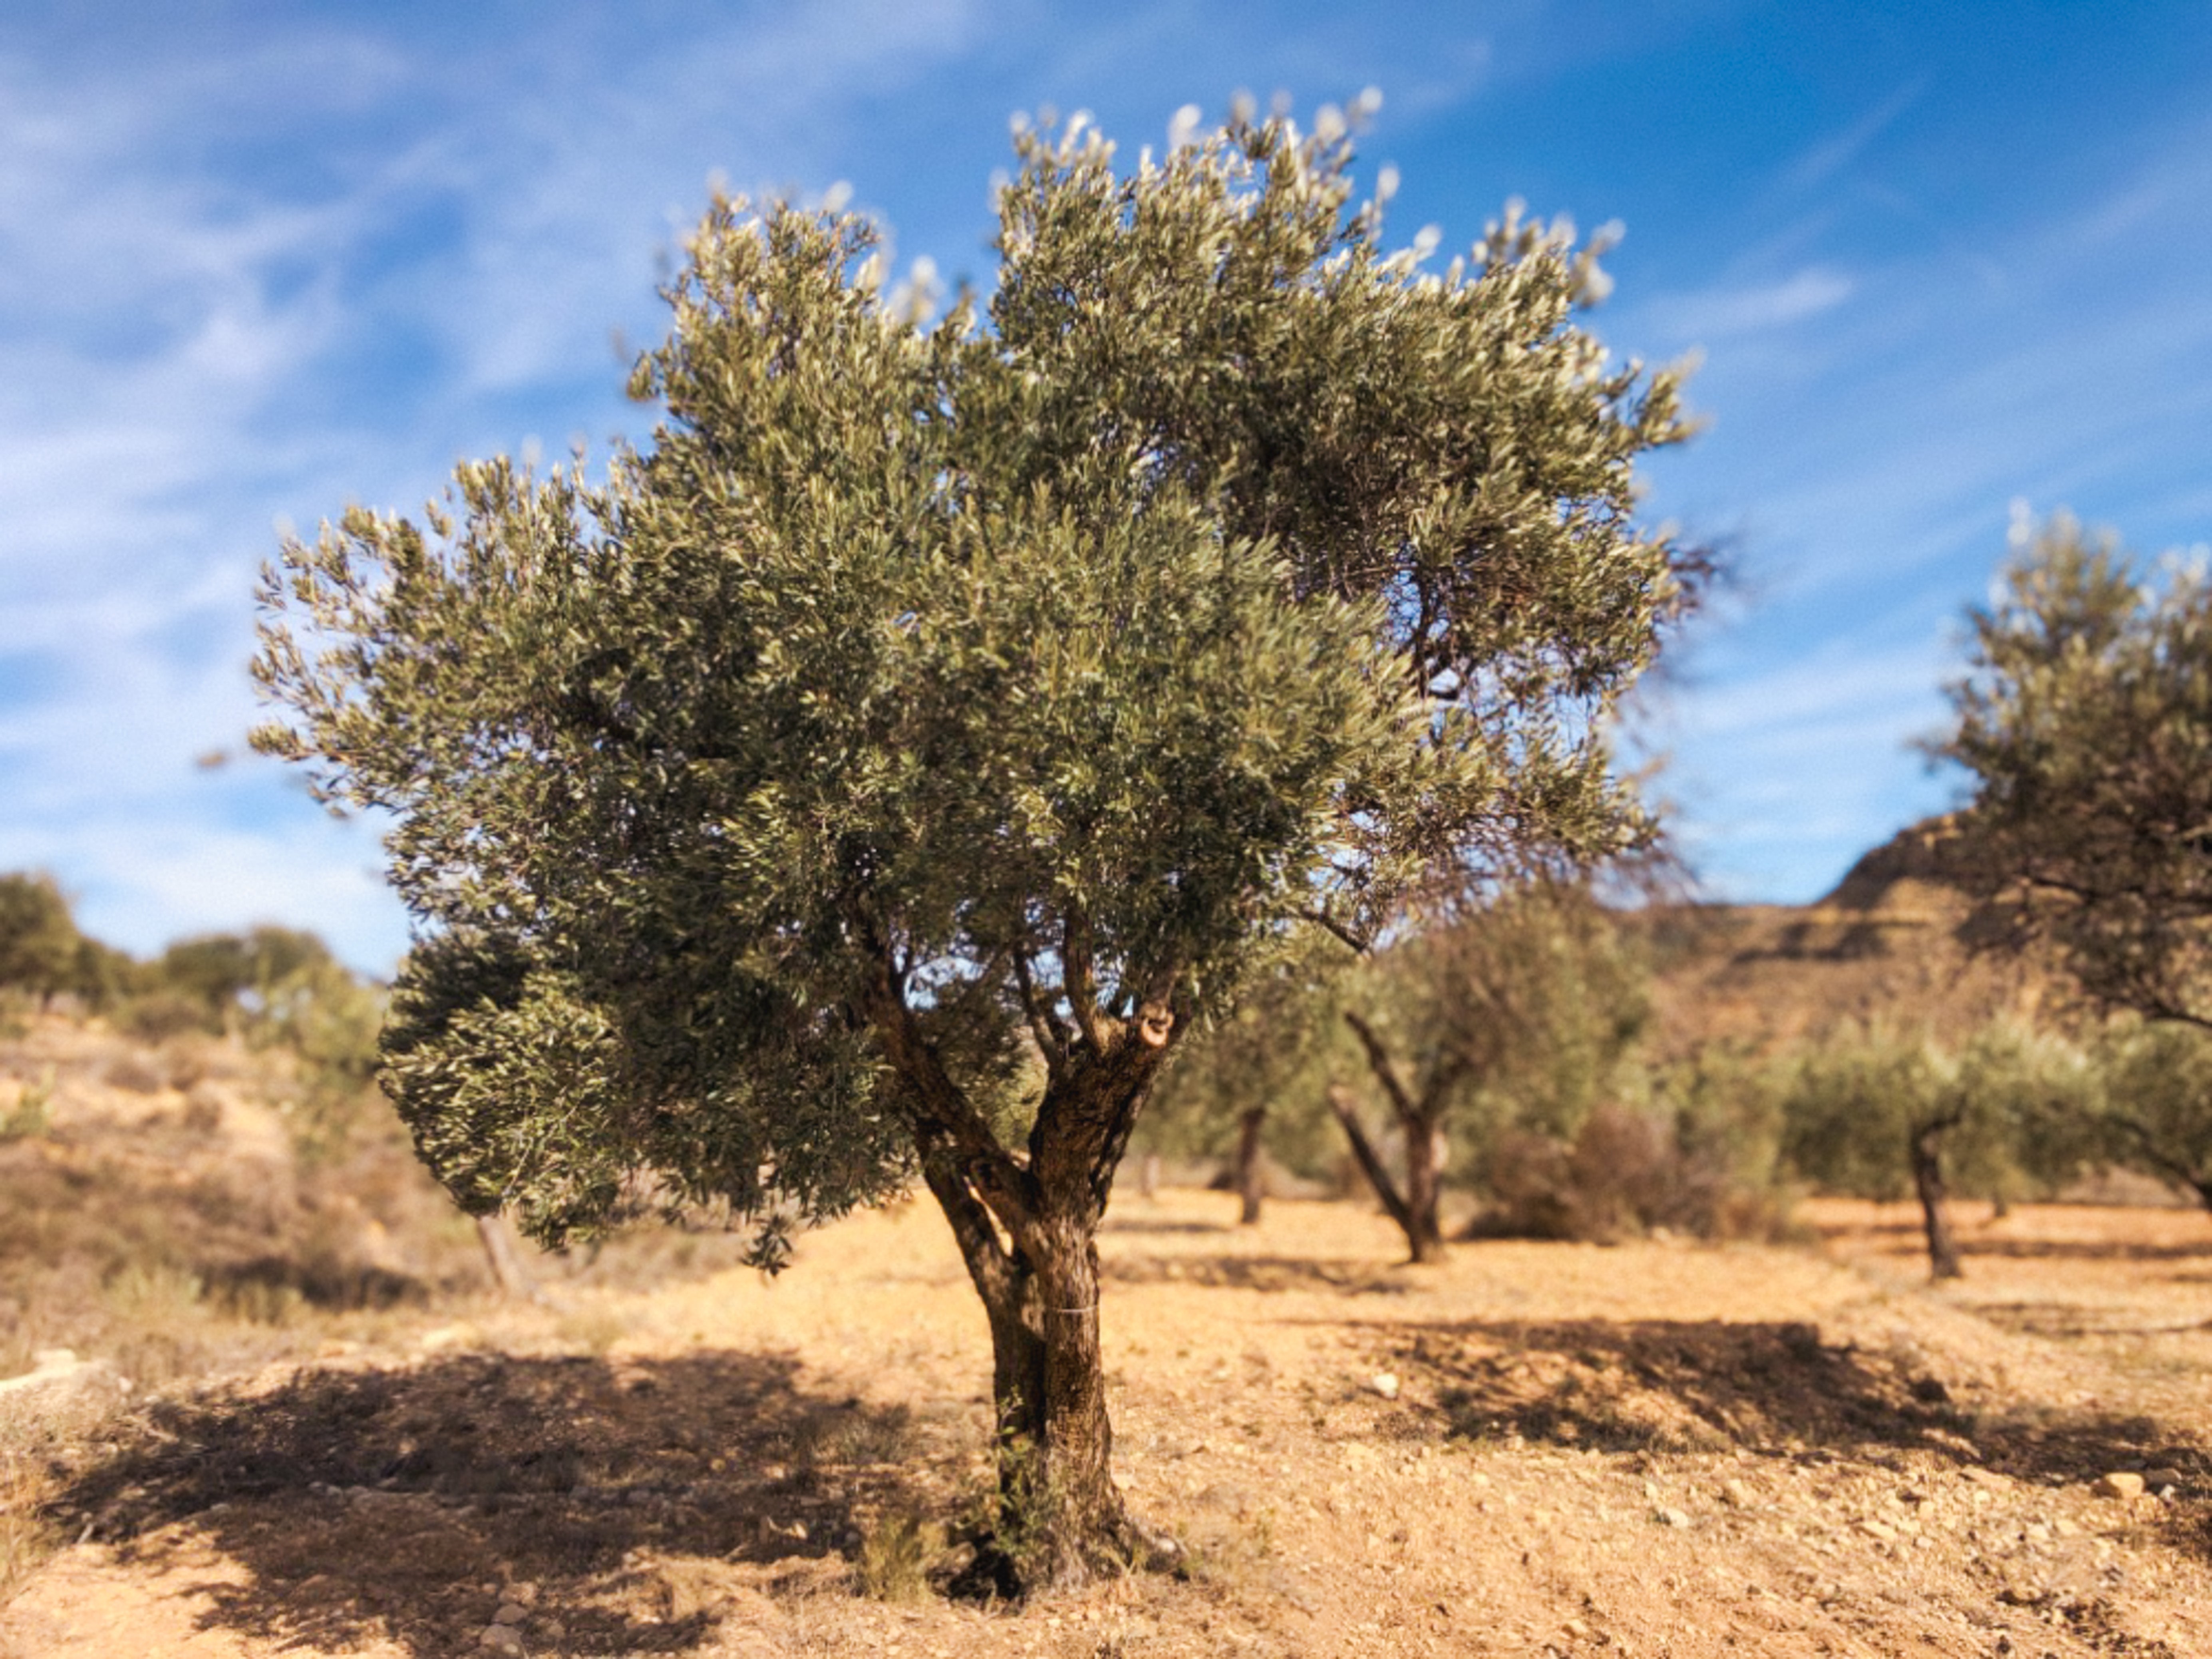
[937,700]
[2085,718]
[2009,1105]
[39,949]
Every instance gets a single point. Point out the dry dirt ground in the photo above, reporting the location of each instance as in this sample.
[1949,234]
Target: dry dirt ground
[1658,1448]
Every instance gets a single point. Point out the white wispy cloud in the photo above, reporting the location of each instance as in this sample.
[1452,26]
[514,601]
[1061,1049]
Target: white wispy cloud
[160,318]
[1836,152]
[1721,313]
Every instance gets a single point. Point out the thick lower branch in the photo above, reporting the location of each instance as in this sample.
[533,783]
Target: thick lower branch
[1385,1069]
[1370,1161]
[945,1122]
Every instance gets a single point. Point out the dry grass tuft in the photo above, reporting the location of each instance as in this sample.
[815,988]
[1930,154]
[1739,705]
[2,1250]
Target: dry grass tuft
[897,1555]
[25,1538]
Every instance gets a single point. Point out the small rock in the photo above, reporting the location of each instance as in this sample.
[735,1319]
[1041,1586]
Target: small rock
[1384,1383]
[1881,1529]
[2161,1479]
[1736,1495]
[510,1613]
[2119,1483]
[1667,1517]
[501,1638]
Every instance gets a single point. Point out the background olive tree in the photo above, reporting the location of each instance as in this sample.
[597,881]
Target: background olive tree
[1511,1017]
[1878,1112]
[2153,1109]
[880,771]
[2085,719]
[1253,1082]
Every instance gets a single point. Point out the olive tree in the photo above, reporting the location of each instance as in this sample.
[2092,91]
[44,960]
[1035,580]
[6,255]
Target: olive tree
[2153,1110]
[2085,718]
[1877,1113]
[1512,1015]
[876,773]
[40,949]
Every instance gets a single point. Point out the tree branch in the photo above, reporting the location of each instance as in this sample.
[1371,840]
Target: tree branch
[1385,1070]
[988,1265]
[1321,919]
[1442,1081]
[2173,1169]
[942,1108]
[1043,1026]
[1370,1161]
[1076,967]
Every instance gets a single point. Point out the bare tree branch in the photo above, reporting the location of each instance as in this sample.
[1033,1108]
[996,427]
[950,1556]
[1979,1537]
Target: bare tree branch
[1385,1068]
[1051,1041]
[1370,1161]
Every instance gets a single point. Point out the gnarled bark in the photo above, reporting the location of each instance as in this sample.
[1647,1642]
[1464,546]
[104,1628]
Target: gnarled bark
[1027,1229]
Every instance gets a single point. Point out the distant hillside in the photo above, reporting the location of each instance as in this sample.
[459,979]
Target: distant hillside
[1891,944]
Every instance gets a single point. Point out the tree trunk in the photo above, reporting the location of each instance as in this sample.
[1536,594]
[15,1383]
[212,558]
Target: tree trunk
[1027,1226]
[1928,1182]
[1250,1184]
[497,1240]
[1414,1210]
[1061,1521]
[1424,1188]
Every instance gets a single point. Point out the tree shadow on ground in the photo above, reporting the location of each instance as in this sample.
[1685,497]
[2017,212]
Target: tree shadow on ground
[2040,1250]
[633,1497]
[1145,1224]
[1670,1386]
[2067,1320]
[1258,1273]
[1910,1239]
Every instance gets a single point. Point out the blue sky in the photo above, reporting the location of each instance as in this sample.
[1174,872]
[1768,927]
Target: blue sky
[257,262]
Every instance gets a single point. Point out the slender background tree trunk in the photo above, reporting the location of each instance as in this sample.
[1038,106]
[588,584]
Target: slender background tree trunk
[1251,1181]
[505,1260]
[1423,1189]
[1928,1183]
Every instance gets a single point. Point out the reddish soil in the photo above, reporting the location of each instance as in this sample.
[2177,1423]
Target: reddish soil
[1659,1449]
